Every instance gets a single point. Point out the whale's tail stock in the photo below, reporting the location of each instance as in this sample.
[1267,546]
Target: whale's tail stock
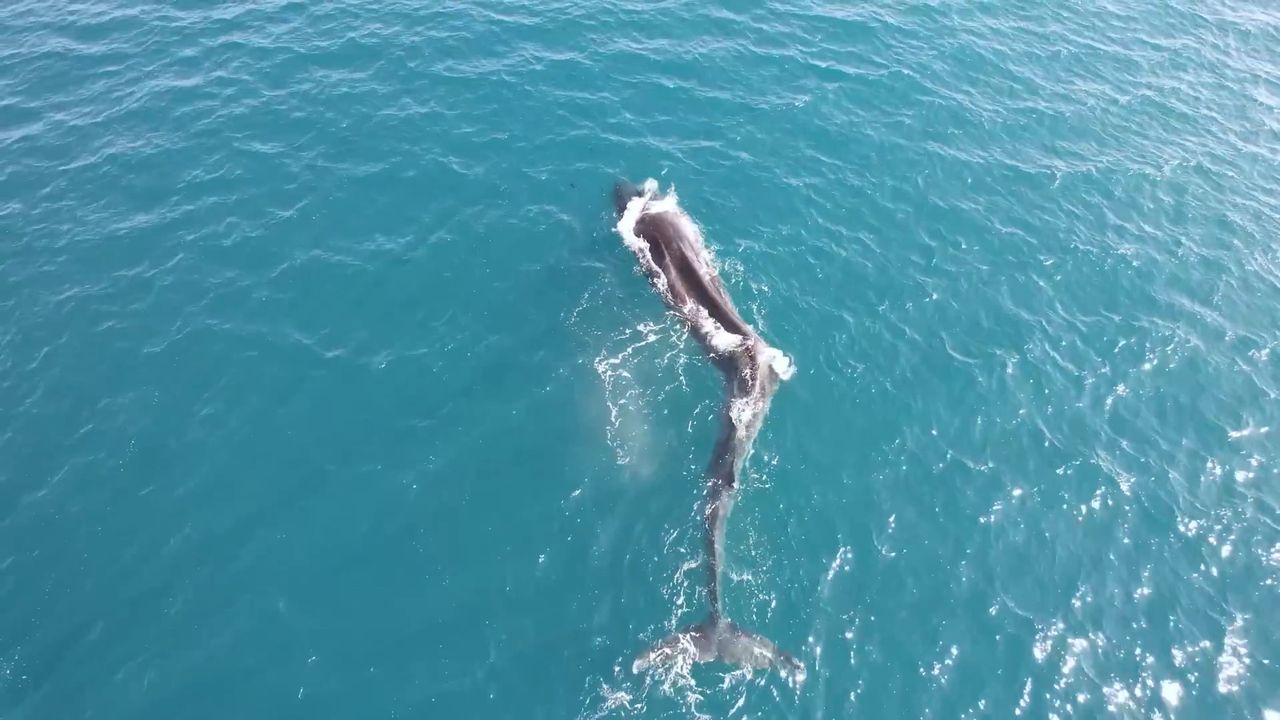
[717,639]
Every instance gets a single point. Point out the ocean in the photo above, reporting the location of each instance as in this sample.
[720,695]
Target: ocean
[328,389]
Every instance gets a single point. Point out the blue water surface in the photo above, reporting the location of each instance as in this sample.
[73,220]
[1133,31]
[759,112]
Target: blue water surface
[327,389]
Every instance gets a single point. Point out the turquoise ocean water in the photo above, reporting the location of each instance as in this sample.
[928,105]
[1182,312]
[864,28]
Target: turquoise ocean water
[328,391]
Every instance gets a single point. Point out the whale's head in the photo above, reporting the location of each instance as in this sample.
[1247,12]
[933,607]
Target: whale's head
[623,192]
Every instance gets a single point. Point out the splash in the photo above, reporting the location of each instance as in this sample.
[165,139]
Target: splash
[1233,663]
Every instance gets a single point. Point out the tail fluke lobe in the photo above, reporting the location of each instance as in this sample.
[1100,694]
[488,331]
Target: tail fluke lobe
[725,641]
[739,647]
[693,644]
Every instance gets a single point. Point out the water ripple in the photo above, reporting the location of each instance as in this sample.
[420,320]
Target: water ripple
[292,292]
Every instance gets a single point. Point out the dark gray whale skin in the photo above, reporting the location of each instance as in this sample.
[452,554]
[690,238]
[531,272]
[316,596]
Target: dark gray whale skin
[670,250]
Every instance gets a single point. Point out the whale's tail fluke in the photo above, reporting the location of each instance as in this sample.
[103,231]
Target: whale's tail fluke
[723,640]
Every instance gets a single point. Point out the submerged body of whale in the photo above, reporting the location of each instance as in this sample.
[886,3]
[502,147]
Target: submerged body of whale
[671,252]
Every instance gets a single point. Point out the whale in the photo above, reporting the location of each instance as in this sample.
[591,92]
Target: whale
[670,250]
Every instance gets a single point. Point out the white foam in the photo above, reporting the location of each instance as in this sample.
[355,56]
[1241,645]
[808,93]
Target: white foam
[720,340]
[627,432]
[1171,693]
[626,228]
[742,411]
[666,203]
[778,360]
[1233,663]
